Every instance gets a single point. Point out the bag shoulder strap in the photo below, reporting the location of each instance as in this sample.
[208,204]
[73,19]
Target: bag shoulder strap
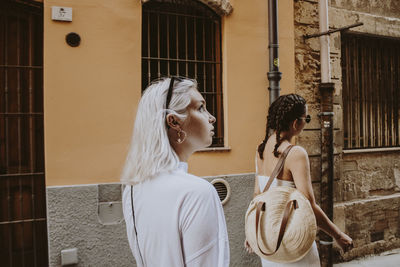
[260,209]
[134,225]
[278,168]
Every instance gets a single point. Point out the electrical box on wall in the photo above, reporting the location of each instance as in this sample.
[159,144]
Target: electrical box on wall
[61,13]
[110,212]
[69,256]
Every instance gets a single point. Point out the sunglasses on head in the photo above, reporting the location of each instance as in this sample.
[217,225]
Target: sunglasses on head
[170,88]
[306,118]
[169,94]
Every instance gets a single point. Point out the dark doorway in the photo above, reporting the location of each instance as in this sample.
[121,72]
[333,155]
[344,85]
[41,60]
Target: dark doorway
[23,230]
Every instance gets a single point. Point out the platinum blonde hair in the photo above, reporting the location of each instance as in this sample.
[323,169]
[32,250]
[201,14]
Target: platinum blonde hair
[150,152]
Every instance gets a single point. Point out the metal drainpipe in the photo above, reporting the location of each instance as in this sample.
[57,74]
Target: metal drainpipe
[274,75]
[326,116]
[326,90]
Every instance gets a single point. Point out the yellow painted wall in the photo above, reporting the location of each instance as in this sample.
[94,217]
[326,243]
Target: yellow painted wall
[91,91]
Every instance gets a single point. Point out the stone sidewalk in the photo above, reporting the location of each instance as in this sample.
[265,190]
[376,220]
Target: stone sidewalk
[386,259]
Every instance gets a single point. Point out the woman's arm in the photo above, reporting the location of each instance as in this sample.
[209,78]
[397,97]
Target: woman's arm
[203,232]
[255,193]
[299,165]
[258,166]
[256,187]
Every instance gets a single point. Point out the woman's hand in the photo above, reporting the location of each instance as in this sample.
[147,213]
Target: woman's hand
[344,241]
[247,247]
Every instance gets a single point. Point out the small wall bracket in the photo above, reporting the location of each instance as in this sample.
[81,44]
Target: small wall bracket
[326,114]
[308,36]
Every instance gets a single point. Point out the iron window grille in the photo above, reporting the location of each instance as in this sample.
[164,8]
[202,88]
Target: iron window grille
[183,37]
[371,91]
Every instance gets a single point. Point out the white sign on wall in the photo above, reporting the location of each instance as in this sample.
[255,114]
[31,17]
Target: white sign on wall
[61,13]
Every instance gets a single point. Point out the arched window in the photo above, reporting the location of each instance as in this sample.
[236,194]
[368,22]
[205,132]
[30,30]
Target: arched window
[183,37]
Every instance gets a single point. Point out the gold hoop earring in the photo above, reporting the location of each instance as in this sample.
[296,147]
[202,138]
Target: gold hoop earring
[181,138]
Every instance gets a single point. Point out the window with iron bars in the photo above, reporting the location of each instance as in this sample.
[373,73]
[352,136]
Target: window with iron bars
[183,37]
[371,91]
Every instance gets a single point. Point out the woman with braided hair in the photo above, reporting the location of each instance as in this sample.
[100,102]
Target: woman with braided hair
[286,119]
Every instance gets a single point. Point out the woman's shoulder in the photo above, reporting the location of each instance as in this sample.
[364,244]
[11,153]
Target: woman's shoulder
[298,150]
[193,184]
[296,154]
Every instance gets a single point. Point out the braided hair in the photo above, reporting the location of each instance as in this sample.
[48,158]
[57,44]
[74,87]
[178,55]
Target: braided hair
[281,113]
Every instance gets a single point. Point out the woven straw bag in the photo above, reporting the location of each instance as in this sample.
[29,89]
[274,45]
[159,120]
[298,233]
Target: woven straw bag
[280,224]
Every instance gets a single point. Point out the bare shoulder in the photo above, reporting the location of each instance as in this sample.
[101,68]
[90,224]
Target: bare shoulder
[298,153]
[299,150]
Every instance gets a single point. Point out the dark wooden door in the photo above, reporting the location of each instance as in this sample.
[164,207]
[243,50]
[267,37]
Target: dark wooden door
[23,230]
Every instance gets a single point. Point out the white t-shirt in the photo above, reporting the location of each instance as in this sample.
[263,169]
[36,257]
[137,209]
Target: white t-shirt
[179,222]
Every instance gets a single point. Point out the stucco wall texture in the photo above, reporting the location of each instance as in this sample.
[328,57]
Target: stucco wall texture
[366,184]
[73,222]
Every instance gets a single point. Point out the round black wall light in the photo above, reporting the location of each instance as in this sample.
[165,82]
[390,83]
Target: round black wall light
[73,39]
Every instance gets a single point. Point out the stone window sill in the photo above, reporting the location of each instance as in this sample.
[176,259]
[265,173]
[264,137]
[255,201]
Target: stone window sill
[215,149]
[368,150]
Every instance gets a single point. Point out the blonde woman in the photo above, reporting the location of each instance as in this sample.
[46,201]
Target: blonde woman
[287,117]
[172,218]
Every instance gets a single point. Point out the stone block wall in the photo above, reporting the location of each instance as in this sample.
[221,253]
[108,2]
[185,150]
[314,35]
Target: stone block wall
[366,175]
[364,183]
[373,223]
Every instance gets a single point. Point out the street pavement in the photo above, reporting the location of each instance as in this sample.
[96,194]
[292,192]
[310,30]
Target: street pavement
[386,259]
